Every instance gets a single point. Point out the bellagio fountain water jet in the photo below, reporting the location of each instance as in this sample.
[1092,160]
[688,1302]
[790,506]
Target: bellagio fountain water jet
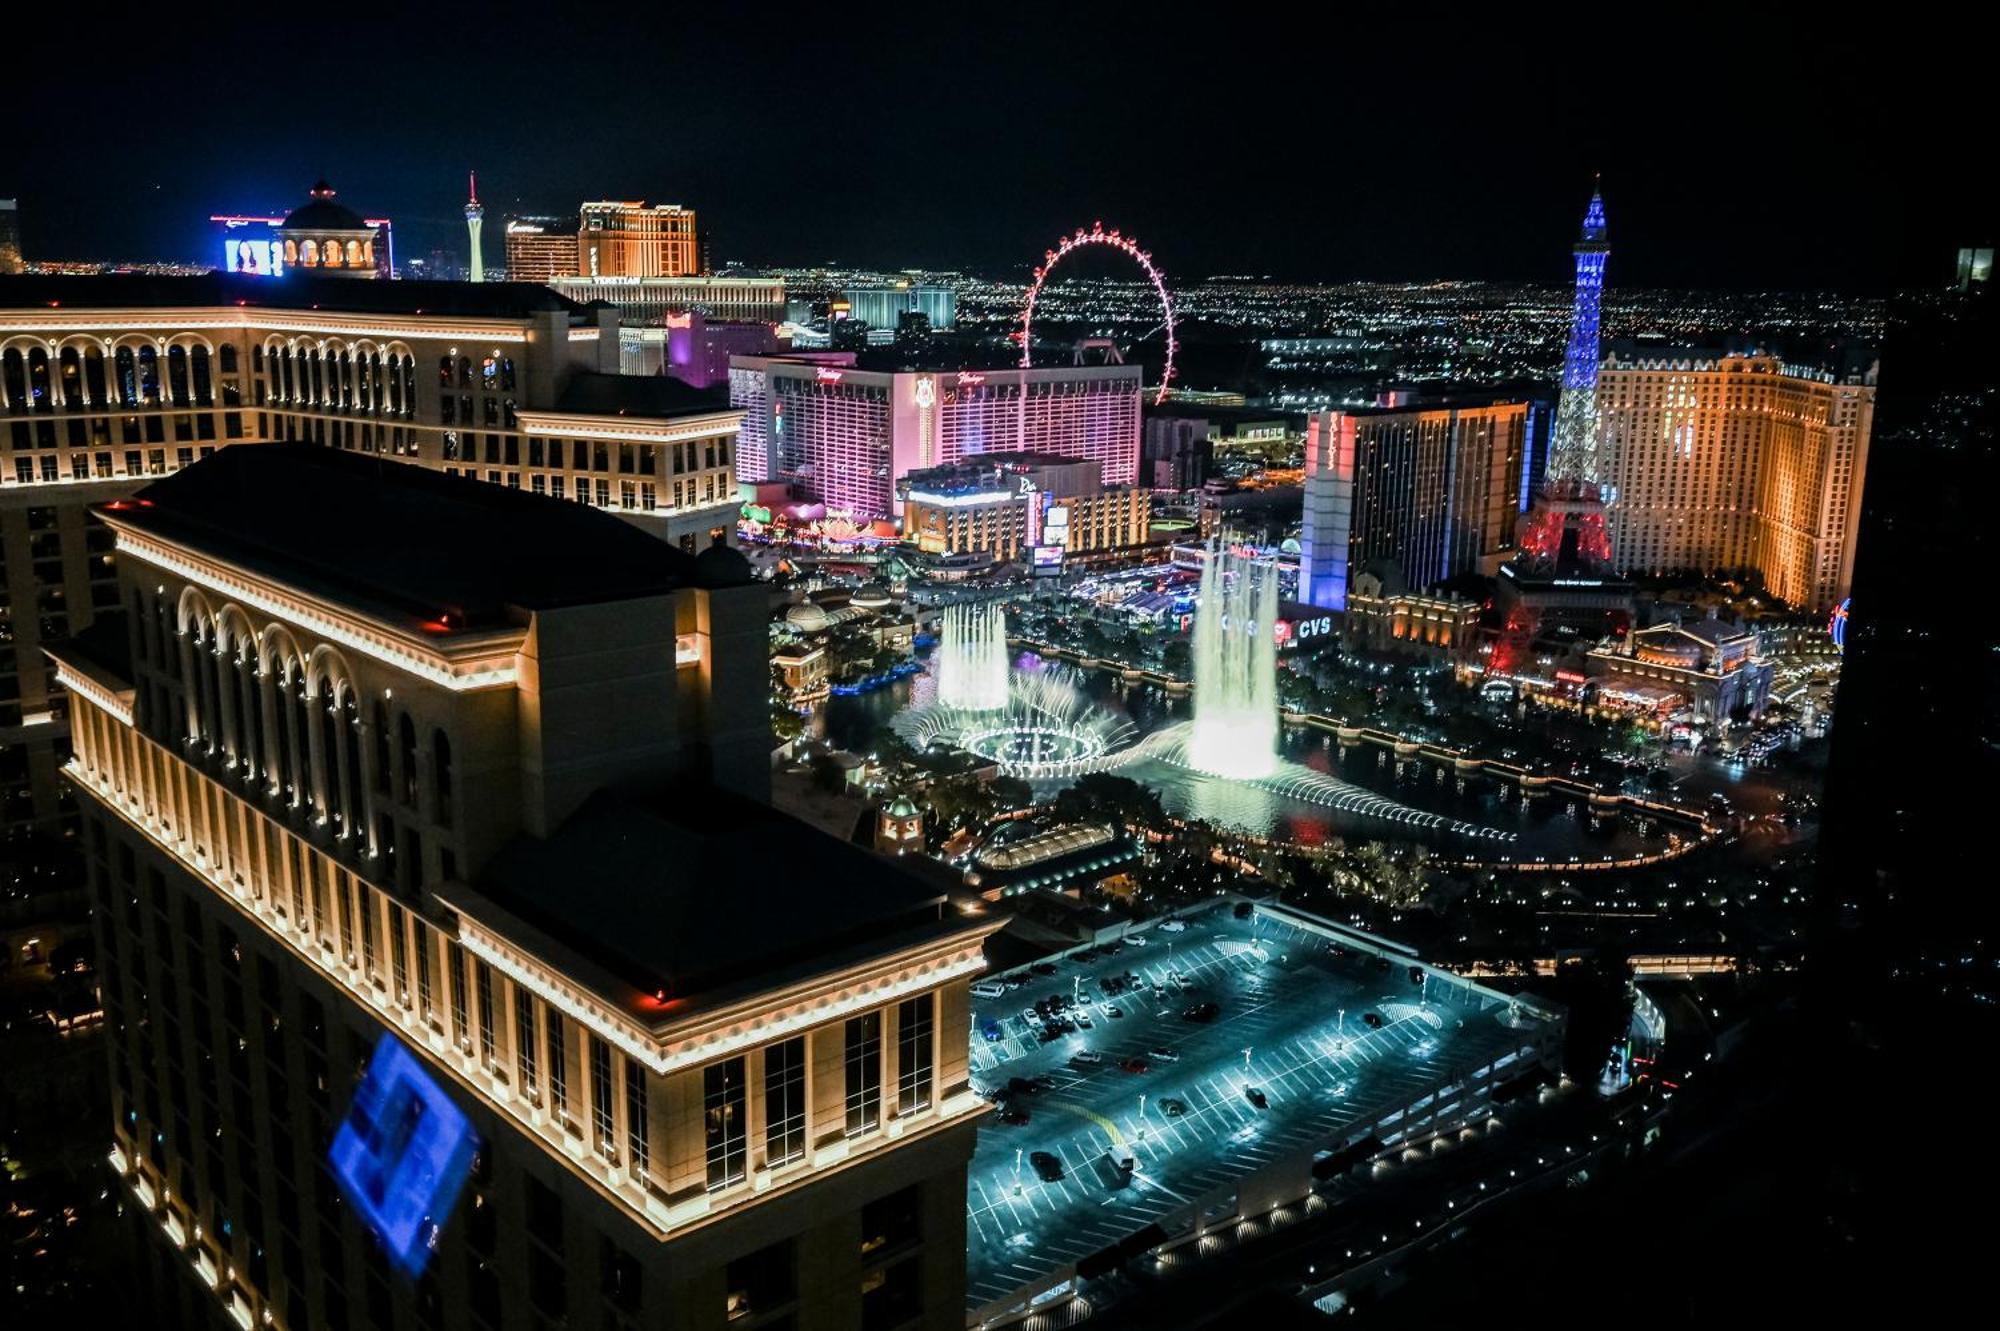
[972,658]
[1235,728]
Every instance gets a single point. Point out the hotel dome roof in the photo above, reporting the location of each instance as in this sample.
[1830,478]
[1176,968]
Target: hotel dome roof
[321,213]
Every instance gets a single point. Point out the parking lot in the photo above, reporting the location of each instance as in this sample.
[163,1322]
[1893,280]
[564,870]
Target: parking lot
[1176,1094]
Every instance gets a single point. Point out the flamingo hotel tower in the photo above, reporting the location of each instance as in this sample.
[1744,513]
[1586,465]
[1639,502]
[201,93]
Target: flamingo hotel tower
[456,973]
[848,436]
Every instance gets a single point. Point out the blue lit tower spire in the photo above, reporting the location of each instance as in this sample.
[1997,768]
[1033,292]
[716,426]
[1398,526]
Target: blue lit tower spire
[1573,453]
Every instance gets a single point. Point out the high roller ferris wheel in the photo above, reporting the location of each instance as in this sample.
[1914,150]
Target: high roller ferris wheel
[1125,245]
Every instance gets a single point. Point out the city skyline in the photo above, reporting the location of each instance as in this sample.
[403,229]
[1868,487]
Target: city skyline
[1723,165]
[1173,669]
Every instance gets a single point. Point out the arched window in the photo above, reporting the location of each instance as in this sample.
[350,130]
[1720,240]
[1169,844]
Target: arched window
[250,745]
[350,739]
[93,377]
[14,380]
[441,776]
[353,254]
[291,251]
[309,254]
[406,751]
[299,768]
[381,748]
[204,384]
[327,717]
[69,374]
[507,373]
[125,377]
[39,397]
[465,371]
[444,372]
[149,376]
[179,392]
[409,385]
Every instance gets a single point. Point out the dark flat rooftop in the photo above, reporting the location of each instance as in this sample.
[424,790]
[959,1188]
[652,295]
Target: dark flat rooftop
[698,891]
[648,396]
[293,291]
[396,537]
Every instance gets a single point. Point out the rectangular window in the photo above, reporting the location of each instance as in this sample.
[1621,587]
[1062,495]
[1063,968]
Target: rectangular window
[864,1072]
[524,1042]
[558,1070]
[724,1121]
[399,961]
[454,961]
[603,1134]
[913,1054]
[317,890]
[364,905]
[424,1004]
[785,1101]
[345,905]
[638,1146]
[484,979]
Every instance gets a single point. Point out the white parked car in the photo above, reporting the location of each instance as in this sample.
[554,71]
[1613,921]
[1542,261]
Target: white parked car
[1173,927]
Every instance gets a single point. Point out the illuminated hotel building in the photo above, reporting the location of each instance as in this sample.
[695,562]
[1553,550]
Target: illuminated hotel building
[107,382]
[485,790]
[1736,459]
[847,436]
[629,239]
[540,249]
[1010,505]
[327,237]
[881,306]
[1433,489]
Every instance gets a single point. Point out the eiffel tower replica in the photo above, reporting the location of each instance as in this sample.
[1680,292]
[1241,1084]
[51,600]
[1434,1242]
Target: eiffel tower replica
[1561,577]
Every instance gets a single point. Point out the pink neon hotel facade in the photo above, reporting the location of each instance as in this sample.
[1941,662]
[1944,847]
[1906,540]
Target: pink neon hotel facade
[846,436]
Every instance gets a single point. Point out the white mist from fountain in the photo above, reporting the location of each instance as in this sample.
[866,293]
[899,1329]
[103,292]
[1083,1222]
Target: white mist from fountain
[1235,728]
[972,669]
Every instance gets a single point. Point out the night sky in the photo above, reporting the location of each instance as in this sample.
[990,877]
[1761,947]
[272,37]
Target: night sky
[1738,150]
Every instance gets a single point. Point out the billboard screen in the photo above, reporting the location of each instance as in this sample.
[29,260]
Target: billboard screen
[1046,559]
[249,254]
[402,1154]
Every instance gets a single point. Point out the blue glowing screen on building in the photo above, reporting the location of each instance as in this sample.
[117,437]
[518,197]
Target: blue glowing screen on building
[402,1154]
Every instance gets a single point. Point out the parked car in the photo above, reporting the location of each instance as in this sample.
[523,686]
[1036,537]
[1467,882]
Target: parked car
[1374,1020]
[1021,1086]
[1013,1115]
[1256,1097]
[1201,1012]
[1172,1107]
[1113,1011]
[1087,1057]
[1164,1054]
[1047,1167]
[990,1030]
[1243,910]
[989,989]
[1173,926]
[1135,1065]
[1043,968]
